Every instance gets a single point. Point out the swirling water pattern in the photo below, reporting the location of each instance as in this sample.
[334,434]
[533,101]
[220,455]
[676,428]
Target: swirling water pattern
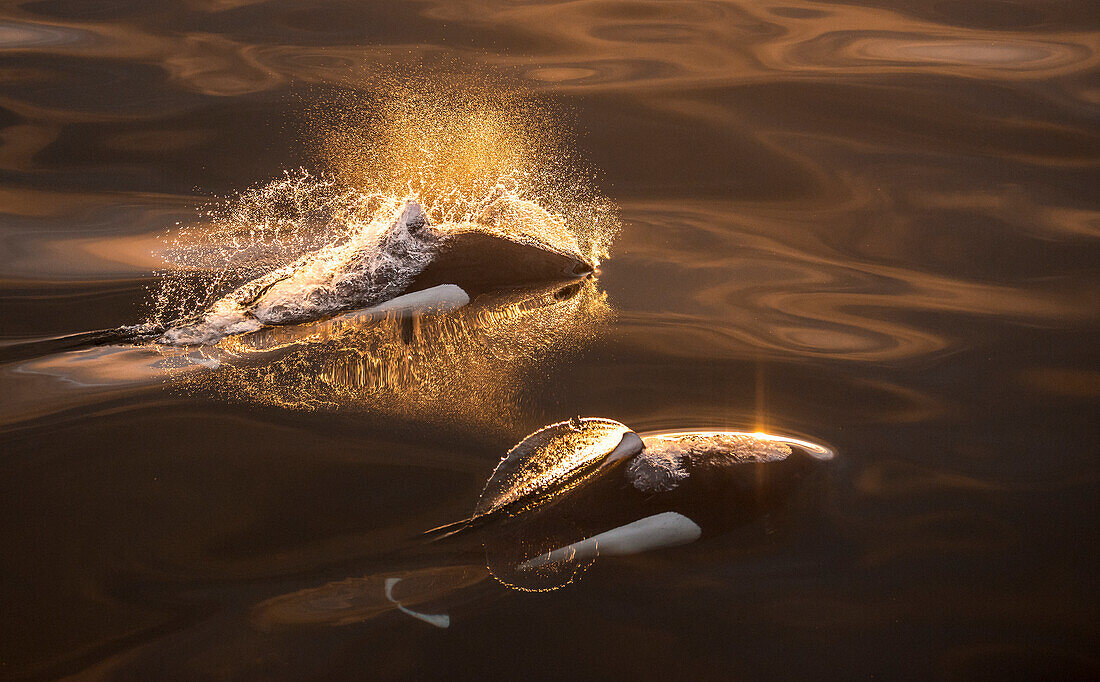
[871,223]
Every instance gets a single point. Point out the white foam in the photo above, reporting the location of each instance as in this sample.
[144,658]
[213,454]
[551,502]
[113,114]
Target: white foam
[372,267]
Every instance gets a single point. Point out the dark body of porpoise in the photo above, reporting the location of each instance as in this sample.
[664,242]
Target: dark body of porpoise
[411,255]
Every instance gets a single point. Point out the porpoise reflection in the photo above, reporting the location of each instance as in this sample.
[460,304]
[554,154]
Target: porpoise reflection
[430,354]
[570,494]
[413,354]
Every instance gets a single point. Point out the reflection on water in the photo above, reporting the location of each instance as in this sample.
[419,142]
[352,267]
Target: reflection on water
[769,284]
[450,362]
[471,365]
[357,599]
[872,222]
[230,51]
[696,44]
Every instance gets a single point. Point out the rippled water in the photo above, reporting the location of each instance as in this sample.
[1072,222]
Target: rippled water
[873,226]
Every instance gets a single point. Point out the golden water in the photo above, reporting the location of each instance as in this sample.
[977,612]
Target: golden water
[869,224]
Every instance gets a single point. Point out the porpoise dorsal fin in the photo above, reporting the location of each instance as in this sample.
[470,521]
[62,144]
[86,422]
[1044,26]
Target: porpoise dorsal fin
[412,217]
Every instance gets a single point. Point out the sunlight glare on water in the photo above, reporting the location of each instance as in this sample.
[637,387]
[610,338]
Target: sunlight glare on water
[866,228]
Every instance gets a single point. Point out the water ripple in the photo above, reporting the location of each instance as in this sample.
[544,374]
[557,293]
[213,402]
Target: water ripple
[585,44]
[770,290]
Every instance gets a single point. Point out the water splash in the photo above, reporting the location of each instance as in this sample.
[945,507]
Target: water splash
[475,154]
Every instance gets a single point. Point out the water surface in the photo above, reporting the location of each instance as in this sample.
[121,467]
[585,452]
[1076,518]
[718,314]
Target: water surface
[873,225]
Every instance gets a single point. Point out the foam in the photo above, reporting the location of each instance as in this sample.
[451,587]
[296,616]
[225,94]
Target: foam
[371,267]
